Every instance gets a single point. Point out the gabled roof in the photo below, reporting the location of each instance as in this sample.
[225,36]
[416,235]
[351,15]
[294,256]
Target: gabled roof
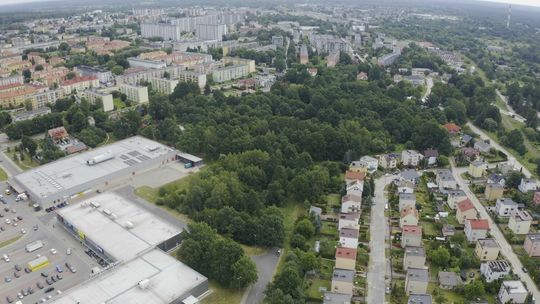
[411,230]
[355,175]
[452,127]
[479,224]
[431,153]
[465,205]
[409,211]
[346,253]
[348,233]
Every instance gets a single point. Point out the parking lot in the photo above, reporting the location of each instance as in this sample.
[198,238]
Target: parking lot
[37,226]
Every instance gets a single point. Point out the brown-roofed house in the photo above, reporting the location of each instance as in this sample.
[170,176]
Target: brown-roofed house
[476,229]
[466,211]
[346,258]
[352,176]
[58,134]
[452,128]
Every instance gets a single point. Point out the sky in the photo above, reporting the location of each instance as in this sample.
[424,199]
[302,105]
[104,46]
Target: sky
[522,2]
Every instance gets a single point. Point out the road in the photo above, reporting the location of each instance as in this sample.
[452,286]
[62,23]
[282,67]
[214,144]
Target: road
[376,276]
[10,167]
[511,159]
[266,266]
[429,85]
[495,232]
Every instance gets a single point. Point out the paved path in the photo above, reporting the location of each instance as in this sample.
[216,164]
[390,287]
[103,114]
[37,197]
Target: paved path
[496,233]
[376,276]
[10,167]
[429,85]
[266,266]
[511,158]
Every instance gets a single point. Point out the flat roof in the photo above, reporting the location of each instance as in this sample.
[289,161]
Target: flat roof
[73,171]
[126,232]
[168,279]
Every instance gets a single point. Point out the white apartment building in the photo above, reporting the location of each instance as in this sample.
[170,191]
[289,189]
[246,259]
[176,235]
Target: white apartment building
[163,85]
[93,95]
[211,31]
[228,73]
[135,93]
[144,63]
[163,30]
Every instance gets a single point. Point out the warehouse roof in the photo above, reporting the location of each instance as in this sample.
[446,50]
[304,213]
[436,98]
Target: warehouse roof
[76,170]
[168,280]
[118,226]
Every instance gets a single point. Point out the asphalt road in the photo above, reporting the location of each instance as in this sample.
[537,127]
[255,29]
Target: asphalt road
[266,266]
[511,159]
[376,276]
[496,233]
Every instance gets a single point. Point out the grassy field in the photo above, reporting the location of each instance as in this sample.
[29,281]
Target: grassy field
[221,295]
[3,175]
[26,164]
[118,104]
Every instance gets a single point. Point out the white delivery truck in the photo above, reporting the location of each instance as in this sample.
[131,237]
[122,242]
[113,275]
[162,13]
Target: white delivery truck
[34,246]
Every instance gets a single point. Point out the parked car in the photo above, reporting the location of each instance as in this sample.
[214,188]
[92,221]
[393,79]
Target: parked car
[20,218]
[39,285]
[30,290]
[9,299]
[17,267]
[16,274]
[7,279]
[44,274]
[59,268]
[524,270]
[49,281]
[53,251]
[59,277]
[27,270]
[24,292]
[49,289]
[68,251]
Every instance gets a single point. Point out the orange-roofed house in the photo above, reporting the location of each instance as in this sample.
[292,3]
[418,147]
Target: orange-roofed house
[346,258]
[79,84]
[58,134]
[411,236]
[452,128]
[476,229]
[409,216]
[352,176]
[466,211]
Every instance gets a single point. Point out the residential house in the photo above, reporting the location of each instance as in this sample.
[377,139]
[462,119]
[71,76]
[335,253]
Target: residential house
[411,158]
[348,238]
[465,211]
[410,175]
[336,298]
[448,230]
[362,76]
[477,168]
[465,139]
[532,244]
[512,292]
[520,222]
[416,281]
[505,207]
[476,229]
[496,178]
[505,167]
[493,191]
[408,216]
[352,176]
[528,184]
[371,164]
[431,156]
[487,249]
[448,280]
[355,189]
[346,258]
[411,236]
[405,187]
[469,153]
[445,179]
[407,200]
[414,257]
[389,161]
[351,203]
[348,220]
[343,281]
[58,135]
[482,146]
[452,128]
[494,270]
[420,299]
[536,198]
[454,197]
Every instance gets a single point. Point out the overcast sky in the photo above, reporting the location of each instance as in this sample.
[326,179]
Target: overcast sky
[523,2]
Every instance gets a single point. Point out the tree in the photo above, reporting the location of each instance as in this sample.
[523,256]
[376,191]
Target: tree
[71,75]
[29,144]
[305,228]
[474,290]
[244,273]
[440,256]
[183,89]
[117,70]
[5,119]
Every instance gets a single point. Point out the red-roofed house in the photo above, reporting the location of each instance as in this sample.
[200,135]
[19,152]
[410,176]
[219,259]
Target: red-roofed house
[346,258]
[79,84]
[411,236]
[58,134]
[452,128]
[476,229]
[352,176]
[409,216]
[466,211]
[351,203]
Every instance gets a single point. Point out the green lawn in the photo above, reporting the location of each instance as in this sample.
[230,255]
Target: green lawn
[221,295]
[3,175]
[26,164]
[118,104]
[313,286]
[329,229]
[10,241]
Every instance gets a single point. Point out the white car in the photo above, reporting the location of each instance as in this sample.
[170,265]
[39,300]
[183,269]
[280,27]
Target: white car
[68,251]
[23,231]
[53,251]
[8,221]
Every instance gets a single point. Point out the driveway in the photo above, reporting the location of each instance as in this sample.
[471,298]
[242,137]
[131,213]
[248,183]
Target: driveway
[496,233]
[493,143]
[266,266]
[376,275]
